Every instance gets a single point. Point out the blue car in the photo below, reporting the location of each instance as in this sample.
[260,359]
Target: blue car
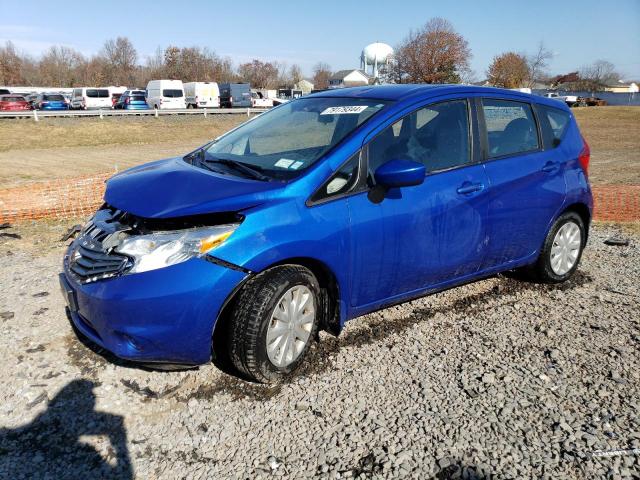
[132,100]
[323,209]
[50,101]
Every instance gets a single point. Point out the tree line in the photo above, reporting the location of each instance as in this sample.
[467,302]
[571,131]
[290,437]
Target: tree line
[433,53]
[117,63]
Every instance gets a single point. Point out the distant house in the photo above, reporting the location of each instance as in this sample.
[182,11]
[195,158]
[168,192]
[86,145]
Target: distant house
[348,78]
[572,77]
[305,85]
[622,88]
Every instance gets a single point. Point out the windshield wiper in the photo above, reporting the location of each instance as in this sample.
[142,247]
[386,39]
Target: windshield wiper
[249,170]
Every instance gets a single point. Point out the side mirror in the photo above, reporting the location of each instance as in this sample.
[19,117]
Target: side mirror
[400,173]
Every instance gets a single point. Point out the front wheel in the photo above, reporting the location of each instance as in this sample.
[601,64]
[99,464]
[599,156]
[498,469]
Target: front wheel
[561,251]
[273,322]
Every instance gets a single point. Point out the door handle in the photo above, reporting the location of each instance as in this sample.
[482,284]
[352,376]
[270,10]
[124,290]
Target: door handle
[550,167]
[467,188]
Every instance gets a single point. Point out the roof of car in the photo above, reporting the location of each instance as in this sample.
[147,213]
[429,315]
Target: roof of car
[402,91]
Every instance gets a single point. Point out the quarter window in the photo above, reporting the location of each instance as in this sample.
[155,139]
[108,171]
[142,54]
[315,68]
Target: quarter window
[511,127]
[437,135]
[554,123]
[341,182]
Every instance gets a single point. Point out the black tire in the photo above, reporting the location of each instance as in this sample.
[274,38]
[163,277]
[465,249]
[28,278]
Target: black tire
[541,271]
[250,319]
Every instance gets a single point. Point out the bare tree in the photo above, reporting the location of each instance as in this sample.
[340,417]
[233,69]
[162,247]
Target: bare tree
[10,65]
[295,74]
[597,76]
[121,59]
[435,53]
[321,74]
[259,74]
[508,70]
[61,67]
[537,64]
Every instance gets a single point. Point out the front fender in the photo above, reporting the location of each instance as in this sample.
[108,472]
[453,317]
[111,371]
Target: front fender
[277,232]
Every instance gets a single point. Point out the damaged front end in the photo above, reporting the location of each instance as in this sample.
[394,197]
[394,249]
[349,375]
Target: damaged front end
[148,290]
[115,243]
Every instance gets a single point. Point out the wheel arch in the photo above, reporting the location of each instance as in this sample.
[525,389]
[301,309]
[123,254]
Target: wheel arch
[331,308]
[583,211]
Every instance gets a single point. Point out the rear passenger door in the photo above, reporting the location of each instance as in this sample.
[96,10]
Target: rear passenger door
[527,182]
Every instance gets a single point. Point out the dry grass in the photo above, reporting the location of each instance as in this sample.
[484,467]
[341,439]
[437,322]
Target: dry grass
[613,133]
[68,147]
[85,132]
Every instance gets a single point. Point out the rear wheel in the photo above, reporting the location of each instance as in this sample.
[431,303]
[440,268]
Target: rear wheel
[274,322]
[561,251]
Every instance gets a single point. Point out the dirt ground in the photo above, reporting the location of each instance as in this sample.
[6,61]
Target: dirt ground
[613,133]
[69,147]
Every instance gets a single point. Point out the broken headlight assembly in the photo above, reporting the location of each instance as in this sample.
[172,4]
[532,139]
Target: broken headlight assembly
[162,249]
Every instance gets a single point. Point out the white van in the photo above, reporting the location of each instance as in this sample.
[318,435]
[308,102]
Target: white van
[202,94]
[89,98]
[163,94]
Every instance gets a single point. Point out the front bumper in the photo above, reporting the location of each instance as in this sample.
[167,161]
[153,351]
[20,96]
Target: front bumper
[160,316]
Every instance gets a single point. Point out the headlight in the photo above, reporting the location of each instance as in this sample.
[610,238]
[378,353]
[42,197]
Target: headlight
[158,250]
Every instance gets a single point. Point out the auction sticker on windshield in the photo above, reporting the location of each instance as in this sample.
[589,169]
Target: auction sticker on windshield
[345,109]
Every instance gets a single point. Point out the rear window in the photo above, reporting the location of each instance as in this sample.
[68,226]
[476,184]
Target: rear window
[511,127]
[554,124]
[98,93]
[53,98]
[172,93]
[11,98]
[137,98]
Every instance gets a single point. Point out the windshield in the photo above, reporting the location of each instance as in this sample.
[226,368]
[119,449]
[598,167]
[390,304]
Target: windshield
[53,98]
[286,140]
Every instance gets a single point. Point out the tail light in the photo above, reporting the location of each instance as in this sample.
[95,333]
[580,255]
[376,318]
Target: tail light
[126,100]
[585,156]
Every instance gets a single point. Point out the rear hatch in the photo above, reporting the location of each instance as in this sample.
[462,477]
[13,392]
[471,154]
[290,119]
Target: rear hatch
[13,103]
[53,101]
[98,98]
[136,101]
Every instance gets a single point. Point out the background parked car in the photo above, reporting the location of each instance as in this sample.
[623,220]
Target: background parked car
[13,103]
[165,94]
[202,94]
[4,91]
[114,99]
[89,98]
[132,100]
[235,95]
[50,101]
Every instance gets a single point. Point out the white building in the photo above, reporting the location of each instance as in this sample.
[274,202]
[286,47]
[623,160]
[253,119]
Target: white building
[348,78]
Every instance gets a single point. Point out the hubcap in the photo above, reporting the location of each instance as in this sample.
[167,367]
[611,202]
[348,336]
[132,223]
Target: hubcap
[565,248]
[290,326]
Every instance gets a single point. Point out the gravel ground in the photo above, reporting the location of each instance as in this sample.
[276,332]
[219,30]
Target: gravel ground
[496,379]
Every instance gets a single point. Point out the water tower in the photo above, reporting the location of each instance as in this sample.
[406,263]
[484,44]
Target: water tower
[375,55]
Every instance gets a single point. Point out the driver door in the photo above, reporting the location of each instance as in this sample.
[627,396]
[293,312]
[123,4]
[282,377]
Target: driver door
[420,236]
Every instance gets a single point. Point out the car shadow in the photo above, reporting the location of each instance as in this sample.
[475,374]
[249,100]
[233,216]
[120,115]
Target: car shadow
[51,445]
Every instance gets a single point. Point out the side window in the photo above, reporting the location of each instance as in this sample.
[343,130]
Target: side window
[554,123]
[437,135]
[342,181]
[511,127]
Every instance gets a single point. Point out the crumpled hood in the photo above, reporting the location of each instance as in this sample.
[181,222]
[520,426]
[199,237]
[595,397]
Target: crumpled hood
[173,188]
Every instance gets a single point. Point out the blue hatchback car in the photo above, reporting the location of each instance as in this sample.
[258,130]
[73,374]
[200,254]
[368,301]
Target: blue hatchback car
[132,100]
[323,209]
[50,101]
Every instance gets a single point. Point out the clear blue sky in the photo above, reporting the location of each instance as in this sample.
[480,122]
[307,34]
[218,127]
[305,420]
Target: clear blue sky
[578,32]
